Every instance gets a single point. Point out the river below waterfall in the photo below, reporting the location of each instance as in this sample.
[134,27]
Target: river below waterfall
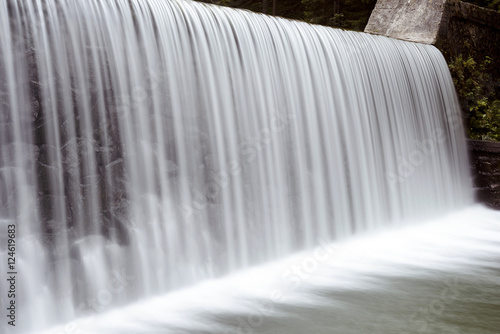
[442,276]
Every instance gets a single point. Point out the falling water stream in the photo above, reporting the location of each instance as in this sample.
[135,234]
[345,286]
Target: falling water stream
[149,145]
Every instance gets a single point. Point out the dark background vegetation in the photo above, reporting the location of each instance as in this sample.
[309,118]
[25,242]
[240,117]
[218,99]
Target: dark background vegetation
[478,94]
[347,14]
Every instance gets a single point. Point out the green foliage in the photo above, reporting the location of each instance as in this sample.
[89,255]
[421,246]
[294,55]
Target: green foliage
[476,90]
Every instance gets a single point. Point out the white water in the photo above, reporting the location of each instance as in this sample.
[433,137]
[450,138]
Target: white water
[438,277]
[172,142]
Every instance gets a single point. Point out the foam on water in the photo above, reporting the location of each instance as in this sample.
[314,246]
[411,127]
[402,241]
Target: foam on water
[440,276]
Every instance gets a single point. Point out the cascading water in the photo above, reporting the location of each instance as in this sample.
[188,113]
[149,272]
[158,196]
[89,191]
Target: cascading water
[150,144]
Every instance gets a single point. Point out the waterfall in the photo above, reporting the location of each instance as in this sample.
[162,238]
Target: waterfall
[146,145]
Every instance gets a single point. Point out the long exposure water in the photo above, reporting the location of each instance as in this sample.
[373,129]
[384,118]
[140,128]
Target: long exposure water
[149,145]
[442,276]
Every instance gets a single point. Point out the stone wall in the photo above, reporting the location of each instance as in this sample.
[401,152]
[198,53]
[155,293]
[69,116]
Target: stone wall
[453,26]
[470,30]
[414,20]
[485,168]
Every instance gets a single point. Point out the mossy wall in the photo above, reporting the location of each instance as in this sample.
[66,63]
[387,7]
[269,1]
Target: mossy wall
[485,168]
